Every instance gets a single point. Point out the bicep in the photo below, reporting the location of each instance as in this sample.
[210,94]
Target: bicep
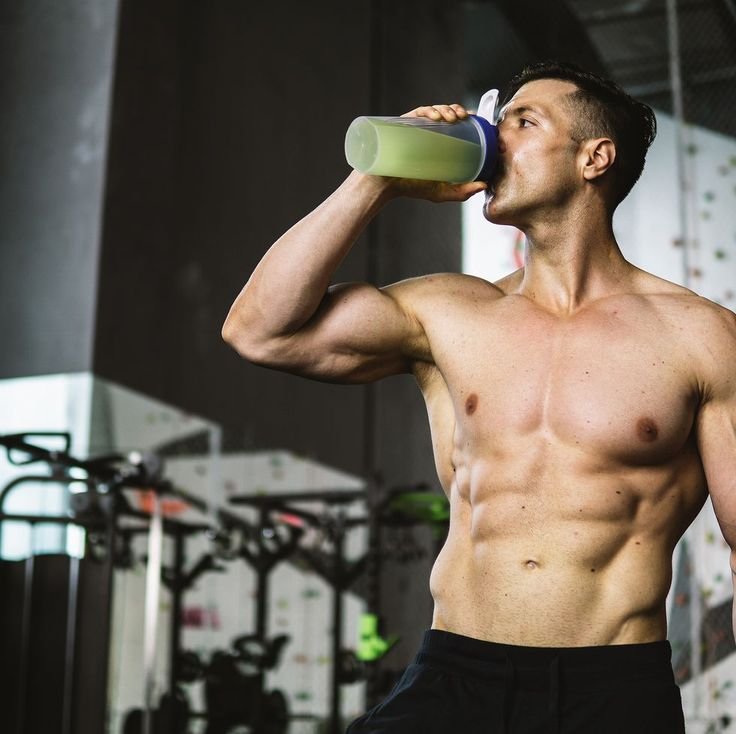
[359,333]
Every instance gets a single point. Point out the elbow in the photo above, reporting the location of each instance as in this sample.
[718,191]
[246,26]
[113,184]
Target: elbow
[248,343]
[236,336]
[229,332]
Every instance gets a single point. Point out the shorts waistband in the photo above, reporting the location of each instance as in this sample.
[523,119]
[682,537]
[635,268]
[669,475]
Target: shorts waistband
[486,659]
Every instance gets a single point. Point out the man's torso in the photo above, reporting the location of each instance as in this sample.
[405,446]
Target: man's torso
[566,446]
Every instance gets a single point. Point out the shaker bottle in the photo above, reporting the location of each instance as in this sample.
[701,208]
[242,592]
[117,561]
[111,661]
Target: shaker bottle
[417,147]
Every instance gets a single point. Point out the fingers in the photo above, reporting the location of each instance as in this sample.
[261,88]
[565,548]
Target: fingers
[462,192]
[446,112]
[435,191]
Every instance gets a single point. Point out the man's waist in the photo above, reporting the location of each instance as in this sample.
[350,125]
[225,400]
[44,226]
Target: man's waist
[588,666]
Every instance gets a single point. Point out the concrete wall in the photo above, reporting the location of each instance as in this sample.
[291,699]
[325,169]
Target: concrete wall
[228,123]
[56,62]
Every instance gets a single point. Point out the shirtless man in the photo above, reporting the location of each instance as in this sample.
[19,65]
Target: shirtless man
[581,410]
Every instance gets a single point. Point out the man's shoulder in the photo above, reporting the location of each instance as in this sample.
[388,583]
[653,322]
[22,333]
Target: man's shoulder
[697,311]
[685,304]
[716,325]
[708,333]
[702,331]
[444,286]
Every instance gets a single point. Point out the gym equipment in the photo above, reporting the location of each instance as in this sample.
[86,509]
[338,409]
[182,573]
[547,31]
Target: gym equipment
[333,568]
[390,510]
[55,615]
[275,538]
[98,510]
[234,688]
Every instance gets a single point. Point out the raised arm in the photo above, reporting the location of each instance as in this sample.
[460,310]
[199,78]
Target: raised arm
[716,428]
[288,318]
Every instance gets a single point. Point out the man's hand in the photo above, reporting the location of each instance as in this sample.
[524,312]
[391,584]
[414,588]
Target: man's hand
[437,191]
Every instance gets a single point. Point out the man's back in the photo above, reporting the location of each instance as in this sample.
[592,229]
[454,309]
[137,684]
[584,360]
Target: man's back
[566,446]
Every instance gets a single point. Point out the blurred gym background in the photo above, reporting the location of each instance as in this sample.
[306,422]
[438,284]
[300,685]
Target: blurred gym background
[193,544]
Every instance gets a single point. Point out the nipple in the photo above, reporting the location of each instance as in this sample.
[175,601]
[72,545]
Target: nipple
[647,430]
[531,564]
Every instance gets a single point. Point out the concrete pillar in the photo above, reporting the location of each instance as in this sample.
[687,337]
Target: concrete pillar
[57,64]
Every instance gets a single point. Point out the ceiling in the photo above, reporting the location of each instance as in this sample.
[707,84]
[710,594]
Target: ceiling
[627,41]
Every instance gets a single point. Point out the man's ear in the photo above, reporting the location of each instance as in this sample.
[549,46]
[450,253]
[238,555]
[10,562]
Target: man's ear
[598,156]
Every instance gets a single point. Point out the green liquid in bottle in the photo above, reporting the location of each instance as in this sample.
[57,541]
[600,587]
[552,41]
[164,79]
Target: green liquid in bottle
[408,151]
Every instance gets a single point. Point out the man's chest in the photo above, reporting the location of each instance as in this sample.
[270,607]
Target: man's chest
[610,384]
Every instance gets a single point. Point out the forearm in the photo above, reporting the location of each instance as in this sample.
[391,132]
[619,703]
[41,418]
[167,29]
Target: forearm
[290,281]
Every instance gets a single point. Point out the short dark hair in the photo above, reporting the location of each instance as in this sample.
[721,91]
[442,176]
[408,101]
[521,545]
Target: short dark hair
[602,109]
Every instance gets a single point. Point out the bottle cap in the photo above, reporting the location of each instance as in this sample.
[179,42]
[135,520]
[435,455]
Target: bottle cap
[486,121]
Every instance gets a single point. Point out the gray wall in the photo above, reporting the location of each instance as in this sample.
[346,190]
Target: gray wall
[227,126]
[56,62]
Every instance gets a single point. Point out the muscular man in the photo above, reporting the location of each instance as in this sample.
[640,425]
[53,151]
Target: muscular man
[581,410]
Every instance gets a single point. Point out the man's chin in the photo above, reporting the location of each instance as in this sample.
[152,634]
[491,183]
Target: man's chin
[492,211]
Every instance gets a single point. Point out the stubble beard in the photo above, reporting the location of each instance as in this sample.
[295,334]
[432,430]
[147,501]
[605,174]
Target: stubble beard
[496,208]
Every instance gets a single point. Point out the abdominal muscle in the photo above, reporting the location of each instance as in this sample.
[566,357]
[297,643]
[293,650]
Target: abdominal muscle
[552,564]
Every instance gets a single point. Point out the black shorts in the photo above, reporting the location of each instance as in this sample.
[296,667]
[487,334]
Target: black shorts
[460,685]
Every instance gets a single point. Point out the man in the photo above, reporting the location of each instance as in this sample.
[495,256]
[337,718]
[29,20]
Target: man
[581,409]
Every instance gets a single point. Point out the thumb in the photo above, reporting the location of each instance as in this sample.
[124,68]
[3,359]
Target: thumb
[462,192]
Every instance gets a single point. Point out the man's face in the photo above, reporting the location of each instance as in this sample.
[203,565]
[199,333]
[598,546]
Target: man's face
[537,171]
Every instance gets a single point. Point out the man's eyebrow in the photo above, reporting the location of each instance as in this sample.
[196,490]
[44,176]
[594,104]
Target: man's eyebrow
[507,109]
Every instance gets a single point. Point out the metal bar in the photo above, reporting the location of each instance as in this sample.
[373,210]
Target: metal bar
[263,569]
[630,12]
[71,639]
[337,621]
[673,37]
[150,629]
[112,534]
[332,496]
[51,519]
[177,594]
[25,644]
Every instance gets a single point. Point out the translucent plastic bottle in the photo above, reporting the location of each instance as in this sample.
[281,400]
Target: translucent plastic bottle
[417,147]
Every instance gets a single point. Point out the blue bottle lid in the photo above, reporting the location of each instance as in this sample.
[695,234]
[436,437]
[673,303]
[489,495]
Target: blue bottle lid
[485,119]
[490,149]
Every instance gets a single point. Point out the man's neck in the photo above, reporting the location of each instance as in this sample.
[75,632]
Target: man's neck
[572,263]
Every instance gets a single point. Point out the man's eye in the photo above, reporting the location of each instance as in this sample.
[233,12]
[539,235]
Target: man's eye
[523,122]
